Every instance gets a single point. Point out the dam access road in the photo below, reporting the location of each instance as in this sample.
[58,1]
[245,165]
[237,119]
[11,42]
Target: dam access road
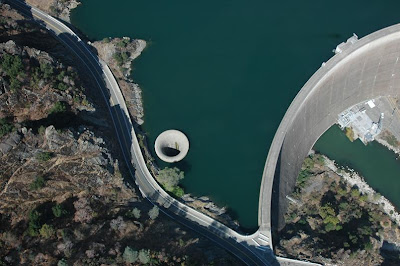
[255,249]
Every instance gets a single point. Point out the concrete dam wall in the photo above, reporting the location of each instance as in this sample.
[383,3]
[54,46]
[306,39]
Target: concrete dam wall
[361,70]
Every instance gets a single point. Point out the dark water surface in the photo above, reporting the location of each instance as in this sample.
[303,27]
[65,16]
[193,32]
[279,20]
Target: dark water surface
[224,73]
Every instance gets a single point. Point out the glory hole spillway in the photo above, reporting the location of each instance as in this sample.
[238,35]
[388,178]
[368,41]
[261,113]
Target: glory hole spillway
[224,73]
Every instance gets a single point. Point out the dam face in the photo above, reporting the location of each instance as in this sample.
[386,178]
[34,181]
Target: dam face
[361,70]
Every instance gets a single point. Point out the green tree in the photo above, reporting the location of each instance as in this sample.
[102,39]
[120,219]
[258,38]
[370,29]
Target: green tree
[154,212]
[118,57]
[58,210]
[355,193]
[41,130]
[130,255]
[62,86]
[144,256]
[34,223]
[342,192]
[12,65]
[15,84]
[38,183]
[330,218]
[61,75]
[44,156]
[178,192]
[58,107]
[136,213]
[344,206]
[47,70]
[170,177]
[5,127]
[47,231]
[62,262]
[326,211]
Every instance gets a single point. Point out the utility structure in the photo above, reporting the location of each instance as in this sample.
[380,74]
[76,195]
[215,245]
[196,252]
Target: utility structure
[171,146]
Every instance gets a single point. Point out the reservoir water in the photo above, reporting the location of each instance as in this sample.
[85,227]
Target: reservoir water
[224,73]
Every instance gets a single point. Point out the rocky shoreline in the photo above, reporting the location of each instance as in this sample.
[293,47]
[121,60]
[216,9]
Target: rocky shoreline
[387,145]
[119,54]
[107,49]
[354,179]
[58,8]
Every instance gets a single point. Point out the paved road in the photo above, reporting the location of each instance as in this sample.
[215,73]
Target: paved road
[253,249]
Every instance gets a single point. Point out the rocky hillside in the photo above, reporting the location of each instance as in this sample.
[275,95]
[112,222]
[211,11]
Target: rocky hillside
[58,8]
[331,222]
[66,198]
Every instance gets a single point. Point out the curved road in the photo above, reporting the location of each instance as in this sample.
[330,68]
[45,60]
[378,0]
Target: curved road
[254,249]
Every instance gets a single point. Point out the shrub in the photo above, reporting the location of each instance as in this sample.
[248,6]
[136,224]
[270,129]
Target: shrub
[47,231]
[341,192]
[117,57]
[124,56]
[33,226]
[61,75]
[130,255]
[135,212]
[368,246]
[41,130]
[123,42]
[12,65]
[58,107]
[38,183]
[178,192]
[15,84]
[47,70]
[344,206]
[355,193]
[169,178]
[44,156]
[153,212]
[62,86]
[5,127]
[364,197]
[58,210]
[144,256]
[62,262]
[377,196]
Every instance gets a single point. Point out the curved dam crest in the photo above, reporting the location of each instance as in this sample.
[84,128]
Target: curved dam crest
[364,69]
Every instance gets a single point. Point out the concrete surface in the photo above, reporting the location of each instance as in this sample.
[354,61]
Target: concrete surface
[171,139]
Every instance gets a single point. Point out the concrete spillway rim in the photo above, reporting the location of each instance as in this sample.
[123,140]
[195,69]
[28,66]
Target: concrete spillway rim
[172,138]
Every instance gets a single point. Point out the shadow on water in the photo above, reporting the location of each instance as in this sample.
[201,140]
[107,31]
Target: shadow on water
[183,165]
[390,252]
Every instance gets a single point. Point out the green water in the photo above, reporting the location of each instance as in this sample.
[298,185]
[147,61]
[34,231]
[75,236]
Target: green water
[374,162]
[224,73]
